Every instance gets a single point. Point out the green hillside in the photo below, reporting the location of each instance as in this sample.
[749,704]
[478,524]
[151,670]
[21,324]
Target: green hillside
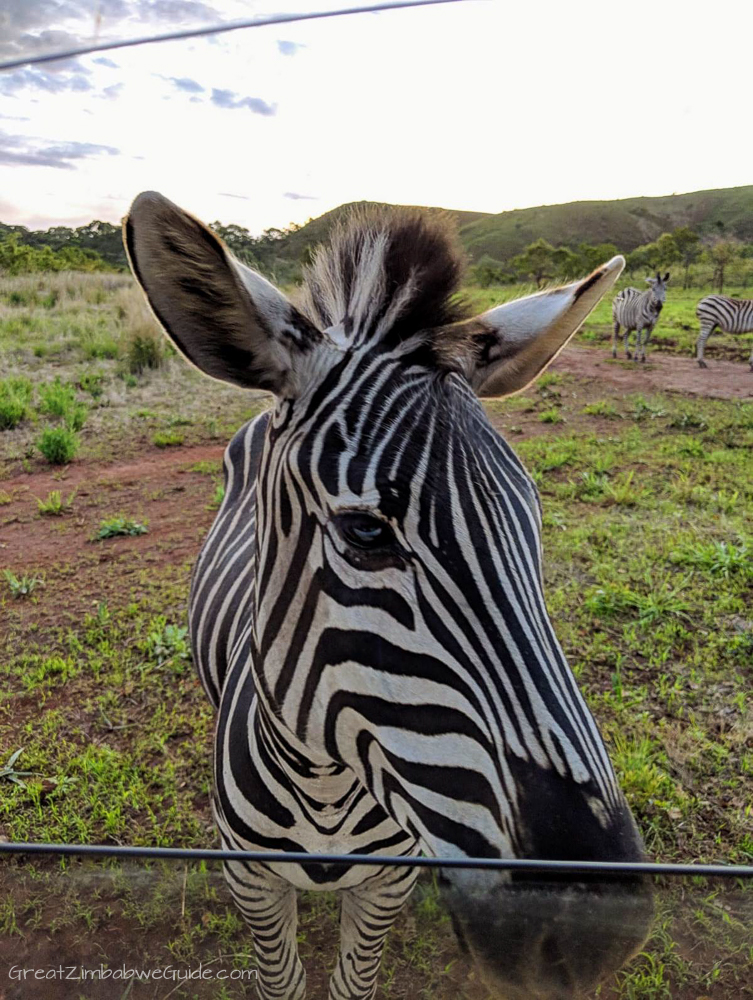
[628,223]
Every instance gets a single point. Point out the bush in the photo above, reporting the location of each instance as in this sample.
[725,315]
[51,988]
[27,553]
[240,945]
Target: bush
[119,525]
[76,416]
[56,399]
[167,439]
[144,350]
[12,412]
[92,382]
[15,395]
[58,444]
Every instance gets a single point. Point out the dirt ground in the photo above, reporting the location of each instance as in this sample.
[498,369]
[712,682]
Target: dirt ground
[660,373]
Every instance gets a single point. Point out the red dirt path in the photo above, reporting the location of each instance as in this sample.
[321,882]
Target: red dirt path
[661,373]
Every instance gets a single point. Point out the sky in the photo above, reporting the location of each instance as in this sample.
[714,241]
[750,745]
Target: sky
[483,105]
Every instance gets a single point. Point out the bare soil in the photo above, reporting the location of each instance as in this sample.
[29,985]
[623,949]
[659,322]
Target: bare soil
[660,373]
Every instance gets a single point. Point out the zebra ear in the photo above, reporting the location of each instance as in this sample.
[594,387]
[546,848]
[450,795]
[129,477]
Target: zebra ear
[504,350]
[666,277]
[225,318]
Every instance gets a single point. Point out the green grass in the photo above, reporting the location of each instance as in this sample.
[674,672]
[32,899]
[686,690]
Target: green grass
[168,439]
[111,527]
[22,586]
[59,445]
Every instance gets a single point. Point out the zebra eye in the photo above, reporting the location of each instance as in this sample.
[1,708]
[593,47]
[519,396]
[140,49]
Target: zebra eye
[364,531]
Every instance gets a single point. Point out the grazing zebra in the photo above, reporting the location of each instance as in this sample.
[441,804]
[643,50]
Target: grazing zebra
[638,311]
[367,612]
[730,315]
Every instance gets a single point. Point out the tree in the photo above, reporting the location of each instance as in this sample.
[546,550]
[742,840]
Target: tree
[688,246]
[721,255]
[488,271]
[537,261]
[666,251]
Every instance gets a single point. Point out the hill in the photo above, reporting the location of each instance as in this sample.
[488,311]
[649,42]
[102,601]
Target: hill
[628,223]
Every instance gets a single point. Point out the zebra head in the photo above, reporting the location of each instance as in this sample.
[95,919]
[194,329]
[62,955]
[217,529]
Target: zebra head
[400,629]
[659,287]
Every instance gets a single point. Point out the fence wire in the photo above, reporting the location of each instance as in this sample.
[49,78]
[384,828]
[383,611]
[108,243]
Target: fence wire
[217,29]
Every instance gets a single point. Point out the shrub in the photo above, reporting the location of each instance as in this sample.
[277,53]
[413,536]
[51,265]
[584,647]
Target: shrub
[167,439]
[92,382]
[119,525]
[76,416]
[54,505]
[12,412]
[15,395]
[144,350]
[21,587]
[58,444]
[55,398]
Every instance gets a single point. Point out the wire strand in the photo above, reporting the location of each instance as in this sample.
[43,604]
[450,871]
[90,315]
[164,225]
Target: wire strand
[217,29]
[608,868]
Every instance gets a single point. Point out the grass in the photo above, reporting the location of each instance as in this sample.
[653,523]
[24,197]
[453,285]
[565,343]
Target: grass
[22,586]
[59,445]
[168,439]
[54,505]
[111,527]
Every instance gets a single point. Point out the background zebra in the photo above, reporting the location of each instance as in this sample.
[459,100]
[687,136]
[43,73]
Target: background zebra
[367,612]
[638,311]
[729,315]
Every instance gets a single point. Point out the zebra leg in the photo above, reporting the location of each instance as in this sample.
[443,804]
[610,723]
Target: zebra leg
[646,338]
[615,335]
[625,340]
[704,335]
[270,908]
[637,354]
[367,913]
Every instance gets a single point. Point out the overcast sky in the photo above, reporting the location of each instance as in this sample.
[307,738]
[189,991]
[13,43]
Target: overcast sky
[484,105]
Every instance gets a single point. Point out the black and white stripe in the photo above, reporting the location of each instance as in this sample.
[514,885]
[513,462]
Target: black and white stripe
[367,612]
[725,314]
[639,311]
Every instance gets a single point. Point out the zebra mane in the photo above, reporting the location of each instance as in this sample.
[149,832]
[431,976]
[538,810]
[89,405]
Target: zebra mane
[385,275]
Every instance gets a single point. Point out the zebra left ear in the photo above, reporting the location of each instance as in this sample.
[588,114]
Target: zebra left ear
[504,350]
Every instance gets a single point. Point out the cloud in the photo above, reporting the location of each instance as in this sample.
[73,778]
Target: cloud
[16,118]
[34,26]
[185,84]
[111,92]
[229,99]
[294,196]
[42,79]
[226,194]
[104,61]
[27,151]
[289,48]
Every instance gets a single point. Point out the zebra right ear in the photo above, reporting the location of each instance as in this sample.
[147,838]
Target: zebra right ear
[225,318]
[505,349]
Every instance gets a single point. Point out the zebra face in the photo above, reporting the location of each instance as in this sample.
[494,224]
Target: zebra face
[659,287]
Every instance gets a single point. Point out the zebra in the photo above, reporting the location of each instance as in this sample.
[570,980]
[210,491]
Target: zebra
[367,612]
[730,315]
[638,311]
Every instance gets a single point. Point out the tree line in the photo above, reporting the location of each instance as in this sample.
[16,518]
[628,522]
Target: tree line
[700,264]
[98,246]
